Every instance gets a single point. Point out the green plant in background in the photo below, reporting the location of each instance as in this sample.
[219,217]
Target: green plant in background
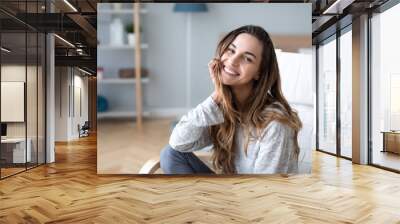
[129,28]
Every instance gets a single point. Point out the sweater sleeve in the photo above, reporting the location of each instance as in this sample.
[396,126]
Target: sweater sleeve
[191,133]
[277,152]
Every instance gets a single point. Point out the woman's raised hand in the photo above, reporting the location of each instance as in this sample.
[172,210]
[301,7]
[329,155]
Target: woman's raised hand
[212,68]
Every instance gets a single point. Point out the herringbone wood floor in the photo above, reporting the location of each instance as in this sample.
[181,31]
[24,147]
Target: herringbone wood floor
[70,191]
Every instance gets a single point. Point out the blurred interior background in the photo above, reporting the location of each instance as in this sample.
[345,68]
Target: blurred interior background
[176,43]
[50,75]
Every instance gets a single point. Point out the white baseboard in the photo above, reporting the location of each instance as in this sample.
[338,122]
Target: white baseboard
[60,138]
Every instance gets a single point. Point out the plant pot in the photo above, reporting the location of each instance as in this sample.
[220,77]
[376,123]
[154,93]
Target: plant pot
[131,39]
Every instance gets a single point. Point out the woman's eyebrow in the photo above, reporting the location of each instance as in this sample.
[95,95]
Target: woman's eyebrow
[247,52]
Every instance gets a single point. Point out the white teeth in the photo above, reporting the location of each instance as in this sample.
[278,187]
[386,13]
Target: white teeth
[227,70]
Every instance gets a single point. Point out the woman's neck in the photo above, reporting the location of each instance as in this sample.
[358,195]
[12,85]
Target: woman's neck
[242,93]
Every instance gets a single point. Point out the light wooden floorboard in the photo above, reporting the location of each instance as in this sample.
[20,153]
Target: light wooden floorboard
[123,149]
[70,191]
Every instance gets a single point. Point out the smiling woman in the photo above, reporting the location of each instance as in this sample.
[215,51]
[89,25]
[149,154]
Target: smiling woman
[247,120]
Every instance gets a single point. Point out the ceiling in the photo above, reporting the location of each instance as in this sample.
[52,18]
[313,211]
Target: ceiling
[327,13]
[77,23]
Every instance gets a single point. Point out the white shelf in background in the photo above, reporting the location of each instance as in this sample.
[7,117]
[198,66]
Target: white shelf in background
[120,47]
[120,11]
[122,80]
[119,114]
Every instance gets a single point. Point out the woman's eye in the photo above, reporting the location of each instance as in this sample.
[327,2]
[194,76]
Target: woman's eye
[248,59]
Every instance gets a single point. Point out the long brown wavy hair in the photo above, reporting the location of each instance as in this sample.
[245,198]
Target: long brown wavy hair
[266,103]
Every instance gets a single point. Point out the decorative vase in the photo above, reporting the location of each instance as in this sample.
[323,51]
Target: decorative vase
[131,39]
[102,104]
[116,32]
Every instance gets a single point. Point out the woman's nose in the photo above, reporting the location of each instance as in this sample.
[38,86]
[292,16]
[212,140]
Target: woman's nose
[233,60]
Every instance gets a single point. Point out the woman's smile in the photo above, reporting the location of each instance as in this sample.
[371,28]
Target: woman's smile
[230,71]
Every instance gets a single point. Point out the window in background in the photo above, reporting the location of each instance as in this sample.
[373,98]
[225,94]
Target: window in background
[346,92]
[31,99]
[327,95]
[14,151]
[395,102]
[22,77]
[385,89]
[41,79]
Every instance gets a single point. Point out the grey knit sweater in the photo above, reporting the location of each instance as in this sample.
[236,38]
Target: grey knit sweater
[273,153]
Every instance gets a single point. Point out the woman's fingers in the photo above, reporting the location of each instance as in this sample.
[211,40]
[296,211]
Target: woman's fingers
[211,67]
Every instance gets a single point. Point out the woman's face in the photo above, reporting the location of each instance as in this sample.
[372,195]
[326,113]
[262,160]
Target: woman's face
[241,61]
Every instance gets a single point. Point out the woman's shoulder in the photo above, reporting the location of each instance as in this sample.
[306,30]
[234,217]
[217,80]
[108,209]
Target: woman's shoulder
[277,126]
[273,118]
[276,129]
[275,107]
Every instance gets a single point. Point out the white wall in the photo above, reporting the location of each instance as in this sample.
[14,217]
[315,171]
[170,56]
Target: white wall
[61,103]
[68,83]
[17,73]
[297,85]
[33,125]
[14,73]
[79,117]
[166,59]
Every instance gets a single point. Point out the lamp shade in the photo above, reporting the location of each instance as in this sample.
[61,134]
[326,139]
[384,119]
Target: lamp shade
[190,7]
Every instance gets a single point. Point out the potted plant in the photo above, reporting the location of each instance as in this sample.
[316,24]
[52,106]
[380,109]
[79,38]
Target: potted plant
[131,34]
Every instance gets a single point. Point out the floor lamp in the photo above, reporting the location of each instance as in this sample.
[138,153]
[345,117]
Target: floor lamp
[189,8]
